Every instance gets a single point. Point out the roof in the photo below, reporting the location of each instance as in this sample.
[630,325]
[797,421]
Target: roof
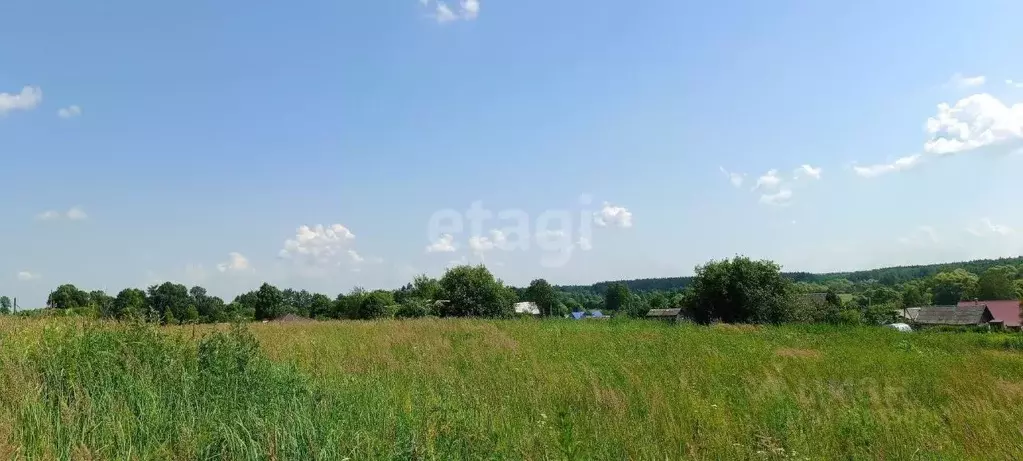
[1006,310]
[909,313]
[527,307]
[969,315]
[596,314]
[578,315]
[663,313]
[290,318]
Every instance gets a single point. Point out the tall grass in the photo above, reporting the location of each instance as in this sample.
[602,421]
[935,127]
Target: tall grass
[473,389]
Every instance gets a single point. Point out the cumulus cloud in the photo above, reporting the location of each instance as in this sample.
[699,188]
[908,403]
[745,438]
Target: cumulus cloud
[780,198]
[27,99]
[807,171]
[769,180]
[69,112]
[73,214]
[901,164]
[613,216]
[467,10]
[976,123]
[236,262]
[481,244]
[959,80]
[318,245]
[735,178]
[444,244]
[355,257]
[987,228]
[26,276]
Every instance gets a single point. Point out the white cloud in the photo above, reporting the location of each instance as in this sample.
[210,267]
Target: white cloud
[444,14]
[27,99]
[48,215]
[26,276]
[988,228]
[481,244]
[444,244]
[779,198]
[237,262]
[735,178]
[978,122]
[614,216]
[959,80]
[769,180]
[468,10]
[1014,84]
[318,245]
[354,257]
[923,235]
[974,122]
[585,244]
[808,171]
[69,112]
[901,164]
[74,214]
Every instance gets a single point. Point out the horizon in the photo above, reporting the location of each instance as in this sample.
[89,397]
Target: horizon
[362,143]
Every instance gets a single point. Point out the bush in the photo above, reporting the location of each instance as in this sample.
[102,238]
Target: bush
[413,308]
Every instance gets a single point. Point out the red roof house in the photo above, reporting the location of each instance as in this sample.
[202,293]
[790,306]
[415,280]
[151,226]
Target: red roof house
[1004,310]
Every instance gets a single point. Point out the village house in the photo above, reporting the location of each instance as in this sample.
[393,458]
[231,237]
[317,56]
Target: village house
[667,315]
[1006,311]
[954,316]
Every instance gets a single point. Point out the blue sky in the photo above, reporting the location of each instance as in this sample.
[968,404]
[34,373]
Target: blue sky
[192,141]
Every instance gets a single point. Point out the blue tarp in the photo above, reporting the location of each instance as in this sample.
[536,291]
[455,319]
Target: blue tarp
[578,315]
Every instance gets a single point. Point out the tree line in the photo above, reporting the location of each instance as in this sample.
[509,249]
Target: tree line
[737,290]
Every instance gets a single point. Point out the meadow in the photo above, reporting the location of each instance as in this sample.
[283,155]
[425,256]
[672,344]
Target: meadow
[516,389]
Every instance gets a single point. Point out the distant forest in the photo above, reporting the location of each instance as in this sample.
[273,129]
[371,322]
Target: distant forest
[887,276]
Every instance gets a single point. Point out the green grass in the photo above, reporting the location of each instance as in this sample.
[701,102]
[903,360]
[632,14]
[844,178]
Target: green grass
[474,389]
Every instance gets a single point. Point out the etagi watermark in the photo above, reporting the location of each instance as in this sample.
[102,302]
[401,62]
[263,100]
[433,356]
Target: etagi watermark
[557,233]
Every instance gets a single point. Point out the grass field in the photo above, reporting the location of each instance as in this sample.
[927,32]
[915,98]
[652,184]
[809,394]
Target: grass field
[474,389]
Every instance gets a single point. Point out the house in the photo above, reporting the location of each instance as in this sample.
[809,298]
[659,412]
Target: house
[527,308]
[1007,311]
[955,316]
[594,314]
[669,315]
[910,314]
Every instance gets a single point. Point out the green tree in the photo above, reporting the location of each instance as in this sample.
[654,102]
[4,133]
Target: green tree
[320,306]
[740,290]
[67,296]
[168,301]
[5,305]
[949,288]
[374,305]
[102,303]
[543,294]
[617,298]
[129,303]
[997,283]
[473,291]
[269,302]
[914,294]
[1019,288]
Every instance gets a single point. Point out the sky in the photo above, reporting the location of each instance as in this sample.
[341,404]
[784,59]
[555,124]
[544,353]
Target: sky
[328,144]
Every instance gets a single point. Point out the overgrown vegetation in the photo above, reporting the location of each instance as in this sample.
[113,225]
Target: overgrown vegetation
[485,389]
[737,290]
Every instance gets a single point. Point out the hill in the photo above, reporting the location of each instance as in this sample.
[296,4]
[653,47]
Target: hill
[885,276]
